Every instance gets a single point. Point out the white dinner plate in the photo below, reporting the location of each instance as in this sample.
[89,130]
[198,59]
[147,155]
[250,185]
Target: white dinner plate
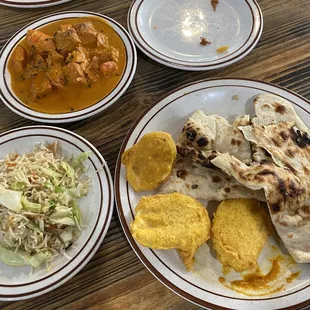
[227,98]
[8,97]
[15,282]
[169,31]
[31,4]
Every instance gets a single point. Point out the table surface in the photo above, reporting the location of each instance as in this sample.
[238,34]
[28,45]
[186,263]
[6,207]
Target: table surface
[115,278]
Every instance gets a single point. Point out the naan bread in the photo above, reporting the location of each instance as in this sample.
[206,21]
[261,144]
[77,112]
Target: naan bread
[213,133]
[259,155]
[271,109]
[203,183]
[286,182]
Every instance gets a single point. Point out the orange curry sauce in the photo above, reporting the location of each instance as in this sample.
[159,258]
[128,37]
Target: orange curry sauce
[73,97]
[258,281]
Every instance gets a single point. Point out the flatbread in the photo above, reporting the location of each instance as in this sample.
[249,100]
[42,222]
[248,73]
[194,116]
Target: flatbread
[203,183]
[213,133]
[286,182]
[271,109]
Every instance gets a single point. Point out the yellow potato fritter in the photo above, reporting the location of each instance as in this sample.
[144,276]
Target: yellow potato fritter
[149,162]
[172,221]
[238,234]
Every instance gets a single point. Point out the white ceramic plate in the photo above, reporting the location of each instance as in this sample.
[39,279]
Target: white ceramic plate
[12,102]
[169,31]
[169,114]
[96,207]
[31,4]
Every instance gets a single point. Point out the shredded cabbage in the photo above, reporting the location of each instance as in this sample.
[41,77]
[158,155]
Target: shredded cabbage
[39,213]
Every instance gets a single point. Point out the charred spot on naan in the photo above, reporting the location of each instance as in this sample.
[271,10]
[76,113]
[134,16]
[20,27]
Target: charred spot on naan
[301,139]
[202,158]
[216,179]
[235,142]
[304,211]
[193,135]
[182,174]
[279,108]
[201,142]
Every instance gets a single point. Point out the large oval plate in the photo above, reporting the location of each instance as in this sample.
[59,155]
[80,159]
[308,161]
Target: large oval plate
[96,207]
[170,32]
[31,4]
[169,114]
[12,102]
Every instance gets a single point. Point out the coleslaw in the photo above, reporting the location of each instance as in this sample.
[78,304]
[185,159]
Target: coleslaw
[39,213]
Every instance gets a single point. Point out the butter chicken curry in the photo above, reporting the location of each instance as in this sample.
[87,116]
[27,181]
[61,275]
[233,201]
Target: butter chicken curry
[67,65]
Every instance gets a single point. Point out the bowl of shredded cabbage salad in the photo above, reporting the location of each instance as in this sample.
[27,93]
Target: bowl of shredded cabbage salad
[40,215]
[56,204]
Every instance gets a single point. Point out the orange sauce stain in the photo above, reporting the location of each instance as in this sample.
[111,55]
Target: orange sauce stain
[293,276]
[258,281]
[222,49]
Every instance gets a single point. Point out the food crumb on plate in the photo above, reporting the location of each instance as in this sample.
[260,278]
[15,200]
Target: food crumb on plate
[214,4]
[204,41]
[235,97]
[155,27]
[222,49]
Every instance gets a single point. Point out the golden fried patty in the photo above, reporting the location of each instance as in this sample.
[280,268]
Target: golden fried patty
[172,221]
[149,162]
[238,234]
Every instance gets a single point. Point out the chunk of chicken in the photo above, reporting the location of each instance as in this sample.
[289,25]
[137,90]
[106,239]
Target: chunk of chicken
[86,32]
[40,86]
[34,67]
[80,56]
[40,41]
[54,57]
[19,59]
[74,74]
[108,68]
[54,70]
[102,54]
[114,54]
[108,54]
[65,27]
[66,41]
[102,41]
[93,70]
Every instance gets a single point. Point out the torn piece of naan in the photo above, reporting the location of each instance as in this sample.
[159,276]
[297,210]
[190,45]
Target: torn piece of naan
[286,182]
[203,183]
[213,133]
[271,109]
